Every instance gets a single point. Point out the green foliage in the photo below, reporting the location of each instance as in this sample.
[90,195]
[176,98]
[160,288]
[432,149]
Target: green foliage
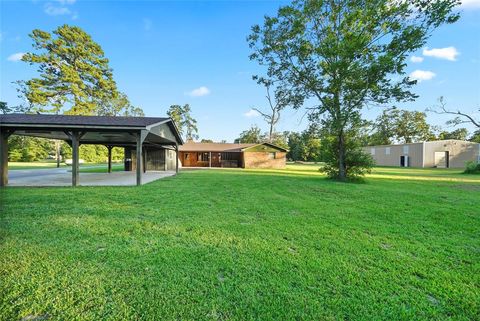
[342,55]
[475,137]
[305,146]
[253,135]
[384,127]
[277,138]
[4,109]
[29,149]
[75,78]
[206,140]
[74,72]
[412,126]
[399,125]
[186,124]
[93,153]
[118,106]
[460,134]
[472,168]
[357,162]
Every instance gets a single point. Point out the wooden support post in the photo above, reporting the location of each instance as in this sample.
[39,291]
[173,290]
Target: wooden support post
[176,158]
[139,161]
[165,159]
[75,137]
[109,148]
[4,158]
[145,160]
[209,159]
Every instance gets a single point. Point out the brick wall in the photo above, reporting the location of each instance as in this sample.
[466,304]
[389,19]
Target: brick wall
[263,160]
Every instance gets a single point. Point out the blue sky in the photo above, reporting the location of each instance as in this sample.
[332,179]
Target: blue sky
[165,53]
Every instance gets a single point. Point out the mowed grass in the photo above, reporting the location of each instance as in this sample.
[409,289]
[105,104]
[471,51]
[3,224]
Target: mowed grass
[246,245]
[34,165]
[102,168]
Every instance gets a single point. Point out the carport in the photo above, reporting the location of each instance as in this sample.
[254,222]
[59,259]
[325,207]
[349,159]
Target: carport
[128,132]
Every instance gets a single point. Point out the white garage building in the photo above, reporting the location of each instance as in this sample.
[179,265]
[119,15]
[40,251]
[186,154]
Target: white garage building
[442,154]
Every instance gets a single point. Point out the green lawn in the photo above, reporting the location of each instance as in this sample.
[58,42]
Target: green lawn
[101,168]
[34,165]
[245,245]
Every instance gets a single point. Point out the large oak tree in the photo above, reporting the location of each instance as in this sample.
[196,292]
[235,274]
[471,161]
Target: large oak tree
[341,55]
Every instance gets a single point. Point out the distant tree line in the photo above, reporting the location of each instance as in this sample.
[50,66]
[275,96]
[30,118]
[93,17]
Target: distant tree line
[390,127]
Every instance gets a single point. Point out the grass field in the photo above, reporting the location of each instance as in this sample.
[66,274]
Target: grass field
[245,245]
[101,168]
[34,165]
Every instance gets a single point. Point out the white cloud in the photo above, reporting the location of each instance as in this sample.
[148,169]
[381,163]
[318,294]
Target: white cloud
[416,59]
[16,57]
[52,10]
[60,8]
[251,113]
[448,53]
[421,75]
[147,24]
[199,92]
[471,4]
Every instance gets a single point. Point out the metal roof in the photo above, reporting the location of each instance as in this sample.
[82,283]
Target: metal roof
[75,120]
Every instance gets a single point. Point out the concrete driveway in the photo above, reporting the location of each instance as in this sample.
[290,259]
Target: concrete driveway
[63,177]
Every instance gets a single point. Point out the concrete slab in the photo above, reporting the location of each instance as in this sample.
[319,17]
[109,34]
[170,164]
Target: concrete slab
[62,177]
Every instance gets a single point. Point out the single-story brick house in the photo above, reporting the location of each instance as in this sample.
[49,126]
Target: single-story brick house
[442,154]
[263,155]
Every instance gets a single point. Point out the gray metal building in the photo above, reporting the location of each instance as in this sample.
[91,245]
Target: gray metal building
[442,154]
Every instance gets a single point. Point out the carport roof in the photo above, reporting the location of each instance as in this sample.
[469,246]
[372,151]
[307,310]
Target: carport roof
[75,120]
[111,130]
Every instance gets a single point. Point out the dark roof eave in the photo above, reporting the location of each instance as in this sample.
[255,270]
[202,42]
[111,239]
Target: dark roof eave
[65,126]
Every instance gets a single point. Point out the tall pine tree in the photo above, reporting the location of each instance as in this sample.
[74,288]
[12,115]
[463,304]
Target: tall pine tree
[75,77]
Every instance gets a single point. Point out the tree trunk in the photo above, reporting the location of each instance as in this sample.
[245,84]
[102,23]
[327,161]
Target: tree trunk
[342,168]
[57,152]
[271,133]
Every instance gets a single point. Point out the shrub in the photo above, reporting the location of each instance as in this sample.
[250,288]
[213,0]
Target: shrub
[357,162]
[472,168]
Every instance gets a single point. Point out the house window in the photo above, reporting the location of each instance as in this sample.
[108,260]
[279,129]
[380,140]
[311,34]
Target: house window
[387,151]
[405,149]
[372,151]
[272,155]
[203,157]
